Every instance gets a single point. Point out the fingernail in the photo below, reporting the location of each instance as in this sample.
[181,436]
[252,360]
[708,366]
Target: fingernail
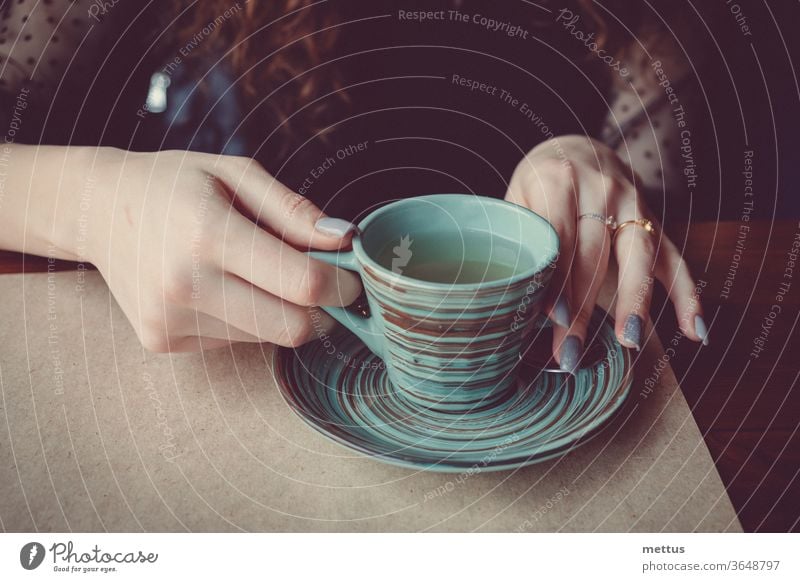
[334,226]
[632,332]
[570,354]
[561,312]
[701,329]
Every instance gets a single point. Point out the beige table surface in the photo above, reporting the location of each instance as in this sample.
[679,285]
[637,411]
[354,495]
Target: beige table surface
[96,434]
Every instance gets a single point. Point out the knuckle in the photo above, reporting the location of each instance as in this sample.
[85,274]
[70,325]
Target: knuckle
[312,286]
[537,169]
[555,185]
[251,163]
[154,338]
[156,345]
[242,167]
[209,235]
[296,332]
[555,168]
[177,289]
[214,237]
[241,163]
[646,241]
[293,204]
[637,240]
[613,185]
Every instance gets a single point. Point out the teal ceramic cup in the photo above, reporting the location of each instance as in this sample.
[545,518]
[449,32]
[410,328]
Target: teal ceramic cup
[453,283]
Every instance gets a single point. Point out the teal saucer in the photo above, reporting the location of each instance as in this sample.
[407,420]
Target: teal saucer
[341,389]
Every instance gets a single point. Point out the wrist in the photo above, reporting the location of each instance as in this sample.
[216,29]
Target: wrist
[91,200]
[83,220]
[70,227]
[37,204]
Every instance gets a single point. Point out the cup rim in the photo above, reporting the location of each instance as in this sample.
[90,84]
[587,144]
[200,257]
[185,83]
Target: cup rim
[365,259]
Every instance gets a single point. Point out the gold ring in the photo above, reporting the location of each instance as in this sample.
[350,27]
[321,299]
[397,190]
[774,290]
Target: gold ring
[609,221]
[643,222]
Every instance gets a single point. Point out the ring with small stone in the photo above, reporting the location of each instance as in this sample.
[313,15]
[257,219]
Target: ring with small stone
[643,222]
[609,221]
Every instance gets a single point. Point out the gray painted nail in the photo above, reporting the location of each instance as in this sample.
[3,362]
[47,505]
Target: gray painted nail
[334,226]
[632,332]
[570,353]
[701,329]
[561,312]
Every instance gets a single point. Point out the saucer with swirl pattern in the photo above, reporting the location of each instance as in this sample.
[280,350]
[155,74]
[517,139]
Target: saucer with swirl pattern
[341,389]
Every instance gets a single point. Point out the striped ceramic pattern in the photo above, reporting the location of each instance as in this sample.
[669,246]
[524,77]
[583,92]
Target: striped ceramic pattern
[347,396]
[447,349]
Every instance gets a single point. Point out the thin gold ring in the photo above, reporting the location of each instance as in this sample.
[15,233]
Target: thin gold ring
[643,222]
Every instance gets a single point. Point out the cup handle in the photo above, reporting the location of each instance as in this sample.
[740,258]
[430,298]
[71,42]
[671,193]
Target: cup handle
[363,326]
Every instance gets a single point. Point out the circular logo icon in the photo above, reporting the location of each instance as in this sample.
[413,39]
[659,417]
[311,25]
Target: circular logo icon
[31,555]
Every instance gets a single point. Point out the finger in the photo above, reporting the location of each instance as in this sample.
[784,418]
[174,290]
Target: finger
[258,257]
[190,323]
[673,272]
[550,192]
[196,344]
[588,271]
[204,325]
[635,251]
[263,316]
[294,218]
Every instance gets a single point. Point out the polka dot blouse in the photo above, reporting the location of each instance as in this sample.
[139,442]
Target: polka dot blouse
[39,38]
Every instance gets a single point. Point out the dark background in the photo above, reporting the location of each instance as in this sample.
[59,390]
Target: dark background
[746,97]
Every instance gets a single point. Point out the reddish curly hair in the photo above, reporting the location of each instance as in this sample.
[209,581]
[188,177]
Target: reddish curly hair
[277,40]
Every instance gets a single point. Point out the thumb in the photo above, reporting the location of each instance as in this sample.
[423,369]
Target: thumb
[291,216]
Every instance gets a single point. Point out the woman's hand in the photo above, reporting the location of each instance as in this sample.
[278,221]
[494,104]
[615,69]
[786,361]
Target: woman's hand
[566,177]
[203,250]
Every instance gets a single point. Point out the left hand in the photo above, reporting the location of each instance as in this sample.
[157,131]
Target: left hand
[566,177]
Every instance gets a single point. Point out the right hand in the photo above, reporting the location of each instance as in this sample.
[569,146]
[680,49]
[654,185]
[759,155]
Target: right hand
[202,250]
